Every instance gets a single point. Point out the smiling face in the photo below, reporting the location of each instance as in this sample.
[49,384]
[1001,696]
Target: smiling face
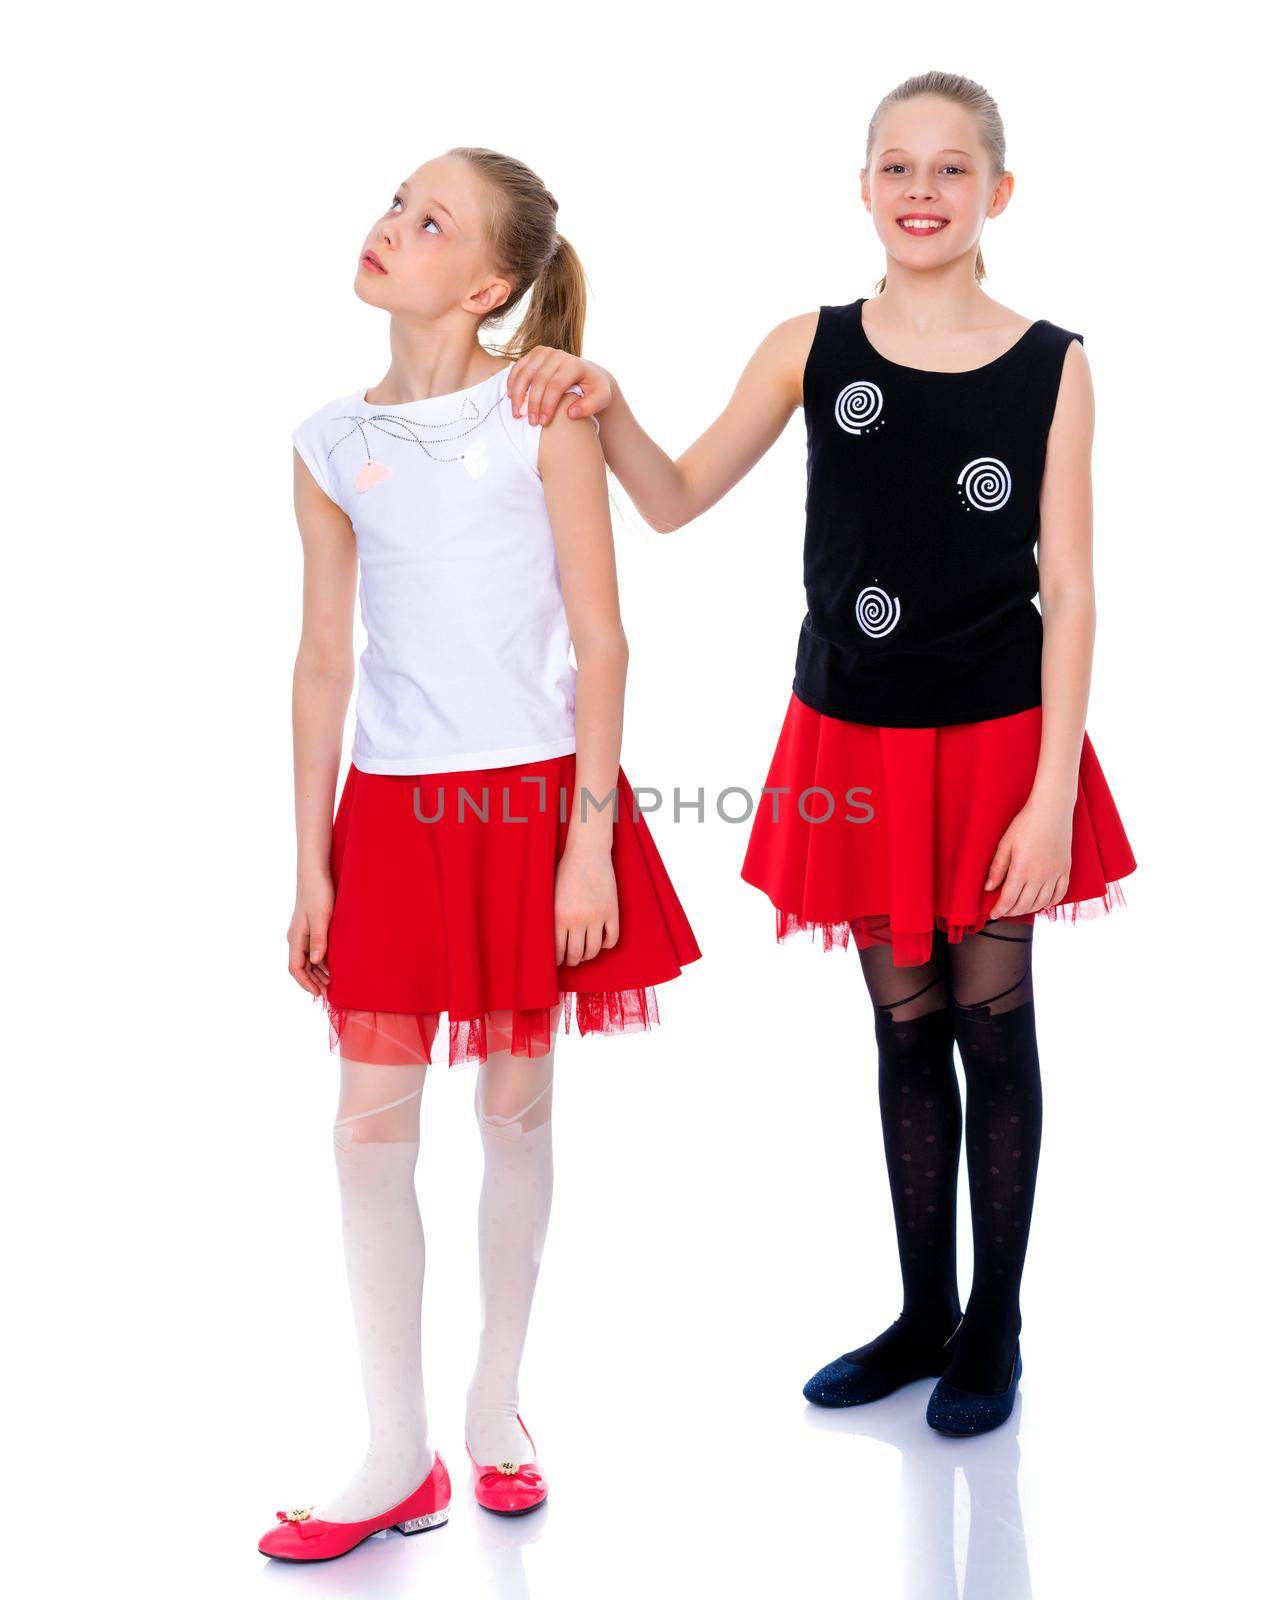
[429,253]
[930,184]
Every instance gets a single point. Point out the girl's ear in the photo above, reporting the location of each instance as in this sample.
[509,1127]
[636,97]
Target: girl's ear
[1004,189]
[488,299]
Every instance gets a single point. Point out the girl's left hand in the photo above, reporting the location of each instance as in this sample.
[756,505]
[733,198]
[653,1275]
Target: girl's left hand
[1033,861]
[586,907]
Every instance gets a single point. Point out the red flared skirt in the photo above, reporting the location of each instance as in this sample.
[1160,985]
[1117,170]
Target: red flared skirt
[445,903]
[939,801]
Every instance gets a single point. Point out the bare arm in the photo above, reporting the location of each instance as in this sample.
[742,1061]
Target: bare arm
[573,479]
[322,678]
[670,493]
[1042,831]
[1066,583]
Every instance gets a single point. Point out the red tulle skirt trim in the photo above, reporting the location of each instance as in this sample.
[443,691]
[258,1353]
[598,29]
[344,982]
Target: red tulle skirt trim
[396,1038]
[913,821]
[873,930]
[444,908]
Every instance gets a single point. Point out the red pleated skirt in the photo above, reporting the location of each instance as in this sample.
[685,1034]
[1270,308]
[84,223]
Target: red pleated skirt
[939,801]
[445,904]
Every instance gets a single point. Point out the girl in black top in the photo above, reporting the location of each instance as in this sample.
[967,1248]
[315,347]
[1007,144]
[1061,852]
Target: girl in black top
[933,789]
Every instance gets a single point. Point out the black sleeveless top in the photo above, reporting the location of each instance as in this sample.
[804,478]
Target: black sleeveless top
[922,514]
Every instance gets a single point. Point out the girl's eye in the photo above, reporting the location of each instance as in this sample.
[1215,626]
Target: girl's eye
[430,224]
[897,166]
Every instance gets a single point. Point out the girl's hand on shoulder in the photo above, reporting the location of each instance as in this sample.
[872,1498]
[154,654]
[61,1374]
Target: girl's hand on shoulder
[586,907]
[1032,861]
[542,376]
[309,934]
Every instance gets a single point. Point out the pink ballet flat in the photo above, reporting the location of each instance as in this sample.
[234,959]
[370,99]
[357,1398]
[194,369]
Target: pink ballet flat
[506,1488]
[298,1536]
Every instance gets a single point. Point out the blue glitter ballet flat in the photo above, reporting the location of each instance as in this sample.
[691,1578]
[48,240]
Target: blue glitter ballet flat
[847,1383]
[844,1383]
[960,1414]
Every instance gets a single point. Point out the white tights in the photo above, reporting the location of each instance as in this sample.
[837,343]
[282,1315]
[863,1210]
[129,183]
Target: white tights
[513,1109]
[376,1138]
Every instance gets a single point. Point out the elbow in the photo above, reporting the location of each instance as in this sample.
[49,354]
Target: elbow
[324,663]
[668,523]
[1069,597]
[603,647]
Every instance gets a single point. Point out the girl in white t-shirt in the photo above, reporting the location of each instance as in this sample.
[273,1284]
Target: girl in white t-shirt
[487,859]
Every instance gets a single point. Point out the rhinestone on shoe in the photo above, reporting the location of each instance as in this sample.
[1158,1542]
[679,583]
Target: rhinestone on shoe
[509,1467]
[298,1514]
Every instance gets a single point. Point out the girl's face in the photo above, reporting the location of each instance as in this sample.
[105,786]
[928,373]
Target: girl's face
[929,187]
[428,254]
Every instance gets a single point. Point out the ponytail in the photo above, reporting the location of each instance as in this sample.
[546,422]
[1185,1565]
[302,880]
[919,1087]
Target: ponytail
[556,311]
[528,249]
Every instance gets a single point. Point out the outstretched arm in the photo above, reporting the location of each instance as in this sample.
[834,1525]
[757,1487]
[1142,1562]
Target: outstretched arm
[669,493]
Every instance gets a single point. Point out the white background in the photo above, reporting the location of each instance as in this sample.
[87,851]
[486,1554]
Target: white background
[187,193]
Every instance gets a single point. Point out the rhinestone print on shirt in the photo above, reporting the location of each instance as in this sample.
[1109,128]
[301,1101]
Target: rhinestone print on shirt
[427,436]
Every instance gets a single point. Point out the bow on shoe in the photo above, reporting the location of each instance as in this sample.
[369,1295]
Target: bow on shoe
[511,1477]
[308,1527]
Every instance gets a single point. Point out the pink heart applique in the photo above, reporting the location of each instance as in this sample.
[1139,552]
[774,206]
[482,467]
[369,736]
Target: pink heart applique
[372,472]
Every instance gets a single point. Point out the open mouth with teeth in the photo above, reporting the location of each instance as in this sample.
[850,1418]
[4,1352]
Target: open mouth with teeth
[922,224]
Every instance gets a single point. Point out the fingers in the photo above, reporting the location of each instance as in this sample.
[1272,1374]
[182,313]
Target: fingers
[299,965]
[544,395]
[318,947]
[999,865]
[1014,885]
[1042,896]
[537,382]
[579,941]
[517,382]
[524,374]
[308,938]
[593,399]
[1022,896]
[574,943]
[1035,898]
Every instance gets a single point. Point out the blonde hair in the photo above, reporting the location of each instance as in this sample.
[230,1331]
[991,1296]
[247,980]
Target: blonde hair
[528,248]
[960,91]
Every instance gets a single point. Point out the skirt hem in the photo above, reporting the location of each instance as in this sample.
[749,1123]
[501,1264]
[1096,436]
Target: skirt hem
[912,947]
[407,1038]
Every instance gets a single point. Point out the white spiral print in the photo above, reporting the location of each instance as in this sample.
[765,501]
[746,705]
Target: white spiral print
[985,483]
[877,612]
[858,405]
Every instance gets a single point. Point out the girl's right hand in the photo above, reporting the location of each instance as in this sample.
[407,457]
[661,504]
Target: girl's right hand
[309,934]
[542,375]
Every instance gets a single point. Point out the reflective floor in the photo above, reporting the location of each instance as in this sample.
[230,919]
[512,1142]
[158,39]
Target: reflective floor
[721,1229]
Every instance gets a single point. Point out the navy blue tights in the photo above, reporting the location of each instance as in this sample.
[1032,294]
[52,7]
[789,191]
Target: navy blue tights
[975,995]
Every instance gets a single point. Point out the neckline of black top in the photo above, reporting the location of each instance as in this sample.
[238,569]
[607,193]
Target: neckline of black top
[929,372]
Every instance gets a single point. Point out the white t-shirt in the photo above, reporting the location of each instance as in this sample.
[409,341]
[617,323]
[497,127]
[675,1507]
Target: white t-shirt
[467,663]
